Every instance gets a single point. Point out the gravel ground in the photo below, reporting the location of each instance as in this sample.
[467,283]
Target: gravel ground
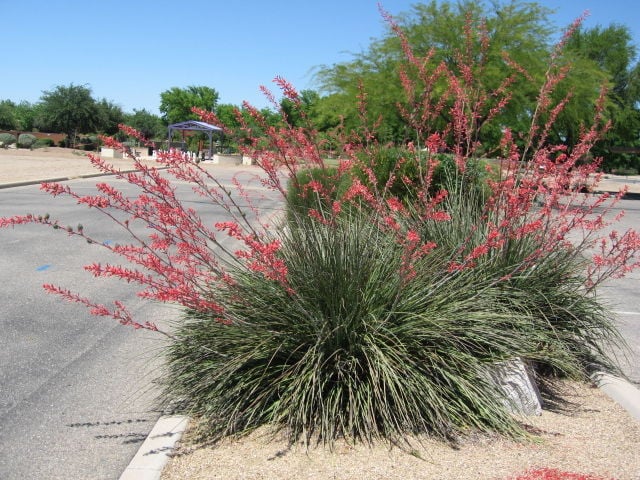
[593,435]
[21,165]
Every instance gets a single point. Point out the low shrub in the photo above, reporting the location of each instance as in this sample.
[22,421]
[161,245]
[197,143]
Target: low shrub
[7,139]
[625,171]
[398,171]
[349,348]
[43,142]
[473,182]
[89,143]
[26,140]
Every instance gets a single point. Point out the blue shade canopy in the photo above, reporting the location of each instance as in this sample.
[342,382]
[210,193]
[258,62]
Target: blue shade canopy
[194,125]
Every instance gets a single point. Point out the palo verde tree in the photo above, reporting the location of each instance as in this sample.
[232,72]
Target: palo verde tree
[517,30]
[519,35]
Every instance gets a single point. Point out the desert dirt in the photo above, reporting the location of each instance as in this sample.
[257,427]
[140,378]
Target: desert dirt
[591,434]
[22,165]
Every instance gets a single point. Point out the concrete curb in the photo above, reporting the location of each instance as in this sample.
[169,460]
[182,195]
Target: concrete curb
[620,391]
[153,455]
[32,182]
[626,196]
[60,179]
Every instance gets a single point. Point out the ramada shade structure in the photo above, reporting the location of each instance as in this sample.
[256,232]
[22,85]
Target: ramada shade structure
[194,125]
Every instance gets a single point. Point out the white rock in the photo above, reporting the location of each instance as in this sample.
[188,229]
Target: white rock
[520,390]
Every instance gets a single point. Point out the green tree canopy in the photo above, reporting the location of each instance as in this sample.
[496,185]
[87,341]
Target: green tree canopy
[610,48]
[308,102]
[150,125]
[226,113]
[516,32]
[611,51]
[27,115]
[8,120]
[68,109]
[234,119]
[109,117]
[519,29]
[176,103]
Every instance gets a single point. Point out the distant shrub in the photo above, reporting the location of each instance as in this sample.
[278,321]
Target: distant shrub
[89,143]
[402,173]
[26,140]
[622,164]
[625,171]
[7,139]
[396,169]
[316,189]
[44,142]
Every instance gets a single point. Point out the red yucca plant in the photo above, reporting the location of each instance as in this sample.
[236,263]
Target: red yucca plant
[377,309]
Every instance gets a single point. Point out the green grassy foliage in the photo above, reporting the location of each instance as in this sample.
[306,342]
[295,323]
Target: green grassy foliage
[301,199]
[354,352]
[355,349]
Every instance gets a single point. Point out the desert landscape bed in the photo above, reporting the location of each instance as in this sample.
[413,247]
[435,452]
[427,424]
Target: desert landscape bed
[589,434]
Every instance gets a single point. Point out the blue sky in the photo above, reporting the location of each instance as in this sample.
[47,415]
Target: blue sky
[130,51]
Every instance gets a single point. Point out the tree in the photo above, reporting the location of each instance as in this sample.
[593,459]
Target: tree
[8,119]
[517,33]
[27,115]
[609,49]
[109,117]
[148,124]
[226,113]
[518,29]
[307,108]
[69,109]
[176,103]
